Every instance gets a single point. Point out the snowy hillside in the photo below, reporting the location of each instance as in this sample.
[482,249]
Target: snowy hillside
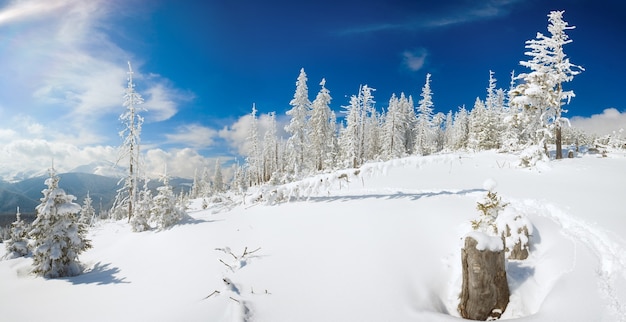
[383,245]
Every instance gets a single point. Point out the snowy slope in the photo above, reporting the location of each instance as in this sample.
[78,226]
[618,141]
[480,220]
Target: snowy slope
[384,246]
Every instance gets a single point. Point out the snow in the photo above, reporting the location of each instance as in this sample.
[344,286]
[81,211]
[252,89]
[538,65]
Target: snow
[486,242]
[379,244]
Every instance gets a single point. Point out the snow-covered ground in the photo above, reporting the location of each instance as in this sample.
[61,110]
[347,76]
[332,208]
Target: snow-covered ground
[383,245]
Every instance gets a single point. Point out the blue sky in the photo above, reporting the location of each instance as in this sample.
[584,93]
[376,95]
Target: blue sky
[200,65]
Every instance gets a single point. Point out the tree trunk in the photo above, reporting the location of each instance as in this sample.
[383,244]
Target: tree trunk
[485,290]
[559,152]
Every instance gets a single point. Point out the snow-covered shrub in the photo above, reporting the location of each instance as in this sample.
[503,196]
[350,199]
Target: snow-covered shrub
[58,236]
[489,208]
[531,155]
[17,244]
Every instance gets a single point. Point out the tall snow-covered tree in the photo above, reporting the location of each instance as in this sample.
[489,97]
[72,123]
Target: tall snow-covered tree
[218,178]
[131,146]
[349,138]
[460,130]
[542,94]
[354,142]
[17,244]
[424,127]
[298,125]
[394,132]
[271,152]
[253,155]
[58,236]
[322,131]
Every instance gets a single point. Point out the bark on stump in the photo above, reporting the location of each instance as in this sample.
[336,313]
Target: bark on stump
[485,290]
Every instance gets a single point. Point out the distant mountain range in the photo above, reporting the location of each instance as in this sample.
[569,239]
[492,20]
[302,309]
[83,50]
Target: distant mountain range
[26,194]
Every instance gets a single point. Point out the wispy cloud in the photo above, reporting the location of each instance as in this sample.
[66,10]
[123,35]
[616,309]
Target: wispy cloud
[414,59]
[60,65]
[437,16]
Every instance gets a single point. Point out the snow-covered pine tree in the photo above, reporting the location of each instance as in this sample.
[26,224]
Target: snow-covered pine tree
[131,146]
[218,178]
[298,126]
[58,236]
[17,244]
[370,126]
[271,154]
[410,120]
[87,212]
[393,132]
[477,118]
[424,127]
[322,131]
[253,155]
[350,135]
[460,130]
[143,209]
[165,211]
[542,94]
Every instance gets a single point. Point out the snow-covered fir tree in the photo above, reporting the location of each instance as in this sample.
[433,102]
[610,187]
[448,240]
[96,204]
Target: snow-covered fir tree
[218,178]
[130,148]
[87,212]
[58,236]
[394,132]
[253,154]
[17,244]
[424,127]
[271,151]
[541,94]
[143,209]
[360,117]
[165,210]
[459,132]
[298,126]
[322,131]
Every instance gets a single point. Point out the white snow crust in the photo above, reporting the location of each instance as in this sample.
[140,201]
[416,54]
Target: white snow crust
[383,244]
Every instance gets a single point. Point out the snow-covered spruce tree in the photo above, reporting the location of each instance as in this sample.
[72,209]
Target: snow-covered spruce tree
[165,211]
[394,132]
[218,178]
[253,154]
[17,244]
[130,148]
[271,153]
[424,127]
[350,135]
[87,212]
[542,94]
[143,208]
[58,236]
[407,110]
[460,130]
[298,126]
[322,131]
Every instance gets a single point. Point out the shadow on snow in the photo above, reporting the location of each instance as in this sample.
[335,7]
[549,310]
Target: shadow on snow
[100,274]
[390,196]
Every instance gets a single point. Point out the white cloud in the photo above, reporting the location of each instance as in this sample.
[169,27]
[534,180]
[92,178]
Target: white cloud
[179,162]
[414,60]
[193,135]
[606,123]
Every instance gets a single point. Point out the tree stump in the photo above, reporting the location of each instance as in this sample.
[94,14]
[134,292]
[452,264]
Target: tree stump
[485,290]
[519,251]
